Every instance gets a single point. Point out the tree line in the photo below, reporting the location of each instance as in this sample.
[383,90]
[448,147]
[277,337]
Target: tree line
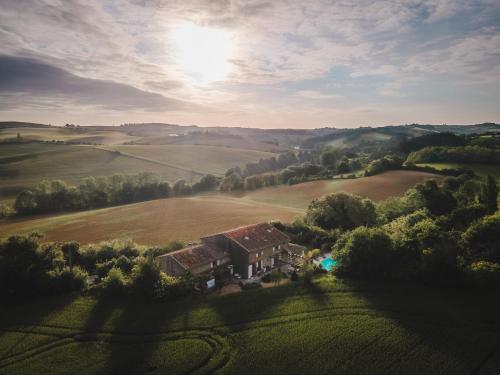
[29,267]
[466,154]
[95,192]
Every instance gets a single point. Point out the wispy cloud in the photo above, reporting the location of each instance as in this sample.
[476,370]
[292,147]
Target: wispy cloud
[119,56]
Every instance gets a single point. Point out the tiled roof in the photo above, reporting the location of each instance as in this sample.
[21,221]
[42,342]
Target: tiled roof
[197,255]
[256,236]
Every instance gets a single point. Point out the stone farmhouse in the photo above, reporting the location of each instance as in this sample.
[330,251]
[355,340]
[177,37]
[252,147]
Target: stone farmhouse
[246,251]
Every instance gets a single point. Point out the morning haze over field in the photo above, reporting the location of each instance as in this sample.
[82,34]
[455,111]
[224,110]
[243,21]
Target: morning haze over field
[249,187]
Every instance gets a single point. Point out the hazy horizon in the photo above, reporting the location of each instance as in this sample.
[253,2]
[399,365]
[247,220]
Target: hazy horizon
[252,64]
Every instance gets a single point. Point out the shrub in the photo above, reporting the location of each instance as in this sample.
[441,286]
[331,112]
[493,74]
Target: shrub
[250,286]
[64,280]
[148,280]
[485,274]
[115,283]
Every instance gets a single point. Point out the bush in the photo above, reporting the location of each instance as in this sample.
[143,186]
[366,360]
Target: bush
[250,286]
[64,280]
[149,281]
[115,283]
[266,278]
[485,274]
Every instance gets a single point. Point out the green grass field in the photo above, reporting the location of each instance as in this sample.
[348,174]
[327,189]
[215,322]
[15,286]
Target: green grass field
[67,134]
[25,165]
[203,159]
[480,169]
[325,328]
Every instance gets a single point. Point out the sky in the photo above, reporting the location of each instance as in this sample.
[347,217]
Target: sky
[251,63]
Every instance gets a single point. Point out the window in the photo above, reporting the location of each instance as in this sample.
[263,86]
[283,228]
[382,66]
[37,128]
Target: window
[214,264]
[279,247]
[274,249]
[218,262]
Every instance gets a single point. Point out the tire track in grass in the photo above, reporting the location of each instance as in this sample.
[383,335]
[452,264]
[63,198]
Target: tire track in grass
[216,336]
[218,358]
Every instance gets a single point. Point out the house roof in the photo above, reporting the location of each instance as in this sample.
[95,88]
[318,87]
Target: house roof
[196,255]
[256,236]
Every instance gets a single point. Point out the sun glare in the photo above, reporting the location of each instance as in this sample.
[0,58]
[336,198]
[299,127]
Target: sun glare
[203,53]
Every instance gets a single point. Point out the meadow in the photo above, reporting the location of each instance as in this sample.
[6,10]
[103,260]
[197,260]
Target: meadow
[480,169]
[82,135]
[199,158]
[24,165]
[187,219]
[326,327]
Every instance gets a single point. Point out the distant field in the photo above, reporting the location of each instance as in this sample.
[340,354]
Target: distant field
[326,328]
[67,134]
[158,222]
[480,169]
[379,187]
[154,222]
[205,159]
[25,165]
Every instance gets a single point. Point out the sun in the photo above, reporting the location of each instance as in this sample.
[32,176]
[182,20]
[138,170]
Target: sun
[203,53]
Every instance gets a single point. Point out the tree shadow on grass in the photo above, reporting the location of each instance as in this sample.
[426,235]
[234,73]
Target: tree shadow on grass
[28,315]
[135,336]
[239,311]
[452,330]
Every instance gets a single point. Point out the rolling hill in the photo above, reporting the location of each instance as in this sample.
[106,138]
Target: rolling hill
[187,219]
[25,165]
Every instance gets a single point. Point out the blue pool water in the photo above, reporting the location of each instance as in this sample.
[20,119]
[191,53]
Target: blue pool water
[328,263]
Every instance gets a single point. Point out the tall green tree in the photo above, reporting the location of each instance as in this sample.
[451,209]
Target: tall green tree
[489,195]
[341,210]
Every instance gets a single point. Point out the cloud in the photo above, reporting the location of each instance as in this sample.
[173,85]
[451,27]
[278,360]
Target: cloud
[23,77]
[285,52]
[392,89]
[315,95]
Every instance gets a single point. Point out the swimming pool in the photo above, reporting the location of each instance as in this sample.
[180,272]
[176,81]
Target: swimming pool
[328,263]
